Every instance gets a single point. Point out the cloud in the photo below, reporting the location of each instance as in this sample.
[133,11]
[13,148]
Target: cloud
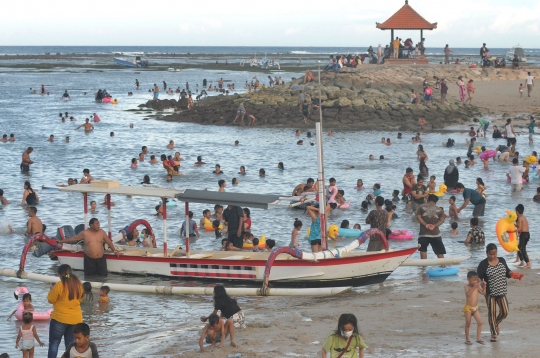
[291,31]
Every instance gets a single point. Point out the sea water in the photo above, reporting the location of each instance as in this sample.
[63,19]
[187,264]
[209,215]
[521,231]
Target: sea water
[133,324]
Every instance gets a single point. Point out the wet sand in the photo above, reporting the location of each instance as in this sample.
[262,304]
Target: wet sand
[413,319]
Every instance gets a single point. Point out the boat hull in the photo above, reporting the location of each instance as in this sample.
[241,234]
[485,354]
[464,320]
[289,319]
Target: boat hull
[354,269]
[124,63]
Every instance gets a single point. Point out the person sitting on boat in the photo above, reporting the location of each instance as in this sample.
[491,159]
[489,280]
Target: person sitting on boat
[95,262]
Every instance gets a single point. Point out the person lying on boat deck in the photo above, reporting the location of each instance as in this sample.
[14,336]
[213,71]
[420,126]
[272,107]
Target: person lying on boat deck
[193,231]
[105,201]
[95,262]
[300,188]
[234,218]
[88,127]
[34,224]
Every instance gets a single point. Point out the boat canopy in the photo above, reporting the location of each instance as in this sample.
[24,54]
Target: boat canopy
[261,201]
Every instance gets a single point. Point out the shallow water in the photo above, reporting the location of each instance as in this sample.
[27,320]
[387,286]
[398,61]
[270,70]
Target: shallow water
[141,321]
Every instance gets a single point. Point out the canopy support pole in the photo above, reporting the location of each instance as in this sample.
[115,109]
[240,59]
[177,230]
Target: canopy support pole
[164,227]
[421,34]
[85,201]
[186,228]
[109,225]
[320,183]
[391,37]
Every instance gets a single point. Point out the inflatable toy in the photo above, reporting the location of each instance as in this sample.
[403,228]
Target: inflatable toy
[442,271]
[334,191]
[49,187]
[334,230]
[262,243]
[171,202]
[522,180]
[487,154]
[208,225]
[506,232]
[114,101]
[531,159]
[38,316]
[401,235]
[344,206]
[106,100]
[535,175]
[478,149]
[442,190]
[455,191]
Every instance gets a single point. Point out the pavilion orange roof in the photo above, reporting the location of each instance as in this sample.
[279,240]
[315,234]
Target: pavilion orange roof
[406,18]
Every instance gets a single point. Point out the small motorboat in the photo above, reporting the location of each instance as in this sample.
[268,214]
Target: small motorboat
[516,50]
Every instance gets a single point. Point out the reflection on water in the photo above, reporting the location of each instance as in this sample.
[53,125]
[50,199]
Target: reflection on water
[143,321]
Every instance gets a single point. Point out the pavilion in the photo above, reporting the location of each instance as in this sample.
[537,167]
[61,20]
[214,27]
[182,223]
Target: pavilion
[406,18]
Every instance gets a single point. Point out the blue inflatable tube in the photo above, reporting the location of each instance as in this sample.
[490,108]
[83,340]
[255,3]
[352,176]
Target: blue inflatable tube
[171,202]
[442,271]
[349,232]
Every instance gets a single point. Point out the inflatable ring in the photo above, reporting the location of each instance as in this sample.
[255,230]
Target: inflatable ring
[106,100]
[442,190]
[506,232]
[478,149]
[171,202]
[114,101]
[333,231]
[344,206]
[262,243]
[531,159]
[487,154]
[401,235]
[208,226]
[522,180]
[38,316]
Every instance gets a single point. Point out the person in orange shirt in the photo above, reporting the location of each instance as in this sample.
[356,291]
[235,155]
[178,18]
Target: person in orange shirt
[395,45]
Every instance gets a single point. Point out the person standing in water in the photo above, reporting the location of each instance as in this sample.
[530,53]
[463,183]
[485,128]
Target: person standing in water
[137,84]
[88,127]
[26,161]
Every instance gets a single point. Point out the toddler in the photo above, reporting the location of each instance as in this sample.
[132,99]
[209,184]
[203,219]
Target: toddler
[452,211]
[431,184]
[88,296]
[256,247]
[471,306]
[223,244]
[27,332]
[395,196]
[217,230]
[454,227]
[521,87]
[216,330]
[103,293]
[27,305]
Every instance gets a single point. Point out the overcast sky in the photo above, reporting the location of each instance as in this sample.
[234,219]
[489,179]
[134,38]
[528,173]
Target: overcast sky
[461,23]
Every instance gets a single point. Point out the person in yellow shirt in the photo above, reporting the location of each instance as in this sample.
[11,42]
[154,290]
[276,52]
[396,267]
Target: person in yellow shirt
[66,298]
[395,45]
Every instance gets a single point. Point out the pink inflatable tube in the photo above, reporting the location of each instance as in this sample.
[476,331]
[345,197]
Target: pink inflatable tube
[401,235]
[38,316]
[522,180]
[487,154]
[106,100]
[344,206]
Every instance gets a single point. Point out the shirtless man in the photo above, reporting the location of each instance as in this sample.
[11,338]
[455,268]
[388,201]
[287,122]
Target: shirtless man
[171,144]
[299,189]
[26,161]
[34,224]
[252,120]
[95,262]
[4,138]
[88,127]
[51,138]
[3,200]
[87,178]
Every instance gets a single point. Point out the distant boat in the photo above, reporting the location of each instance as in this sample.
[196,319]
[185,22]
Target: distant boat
[516,50]
[133,61]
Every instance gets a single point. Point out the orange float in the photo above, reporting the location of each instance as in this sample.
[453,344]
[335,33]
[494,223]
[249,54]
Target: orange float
[506,232]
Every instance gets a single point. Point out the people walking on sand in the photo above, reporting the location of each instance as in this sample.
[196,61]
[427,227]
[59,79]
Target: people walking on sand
[444,90]
[346,340]
[470,91]
[462,90]
[529,81]
[494,271]
[472,288]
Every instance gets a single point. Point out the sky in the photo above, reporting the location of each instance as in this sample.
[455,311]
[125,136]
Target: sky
[461,23]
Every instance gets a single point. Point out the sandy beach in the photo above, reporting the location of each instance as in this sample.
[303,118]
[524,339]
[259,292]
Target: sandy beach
[409,319]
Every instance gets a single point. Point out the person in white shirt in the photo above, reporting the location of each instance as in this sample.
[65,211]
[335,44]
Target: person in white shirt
[529,80]
[515,174]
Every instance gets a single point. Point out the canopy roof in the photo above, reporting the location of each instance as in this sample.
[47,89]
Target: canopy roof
[261,201]
[406,18]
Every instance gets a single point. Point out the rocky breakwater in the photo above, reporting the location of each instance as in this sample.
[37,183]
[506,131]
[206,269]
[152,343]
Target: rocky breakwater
[371,97]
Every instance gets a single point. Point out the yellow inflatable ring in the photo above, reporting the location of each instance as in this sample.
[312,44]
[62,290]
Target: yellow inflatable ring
[114,101]
[442,190]
[208,225]
[479,149]
[506,232]
[262,243]
[531,159]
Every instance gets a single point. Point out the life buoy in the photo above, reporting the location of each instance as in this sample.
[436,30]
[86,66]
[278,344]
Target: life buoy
[522,180]
[401,235]
[262,243]
[531,159]
[208,226]
[487,154]
[506,232]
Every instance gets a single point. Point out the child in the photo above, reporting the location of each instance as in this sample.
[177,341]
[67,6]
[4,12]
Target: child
[88,296]
[452,211]
[522,228]
[376,192]
[147,242]
[231,247]
[357,226]
[471,306]
[345,338]
[471,160]
[248,238]
[364,207]
[480,187]
[256,247]
[27,305]
[229,308]
[467,164]
[269,245]
[103,293]
[475,235]
[359,185]
[217,329]
[395,196]
[193,230]
[93,206]
[27,332]
[521,90]
[454,227]
[294,235]
[224,244]
[432,184]
[537,196]
[82,347]
[344,224]
[217,230]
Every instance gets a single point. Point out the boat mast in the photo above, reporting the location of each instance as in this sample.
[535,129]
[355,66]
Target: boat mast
[320,170]
[164,210]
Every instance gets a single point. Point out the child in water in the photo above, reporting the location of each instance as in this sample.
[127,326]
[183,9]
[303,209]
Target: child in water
[357,226]
[256,245]
[454,230]
[395,196]
[103,294]
[480,187]
[27,332]
[536,198]
[294,235]
[472,289]
[359,185]
[217,230]
[452,211]
[345,338]
[27,305]
[88,295]
[364,207]
[431,184]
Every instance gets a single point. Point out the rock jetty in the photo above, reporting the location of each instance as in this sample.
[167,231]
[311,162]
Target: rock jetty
[371,97]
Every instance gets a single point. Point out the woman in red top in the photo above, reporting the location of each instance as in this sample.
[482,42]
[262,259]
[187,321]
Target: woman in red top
[247,220]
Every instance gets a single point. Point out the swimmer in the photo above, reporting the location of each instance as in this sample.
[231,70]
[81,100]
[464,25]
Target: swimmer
[262,173]
[51,138]
[357,226]
[297,133]
[141,157]
[112,134]
[199,161]
[454,227]
[388,142]
[3,200]
[12,137]
[399,135]
[134,163]
[73,119]
[169,177]
[177,157]
[471,160]
[467,164]
[383,140]
[96,118]
[93,206]
[242,170]
[222,184]
[371,157]
[480,187]
[153,159]
[170,145]
[87,178]
[418,139]
[458,160]
[381,157]
[472,132]
[330,133]
[236,143]
[449,143]
[146,179]
[131,125]
[217,169]
[105,201]
[234,181]
[280,166]
[453,212]
[300,142]
[431,185]
[88,127]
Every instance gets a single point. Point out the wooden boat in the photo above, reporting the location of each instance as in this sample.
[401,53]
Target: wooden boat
[131,61]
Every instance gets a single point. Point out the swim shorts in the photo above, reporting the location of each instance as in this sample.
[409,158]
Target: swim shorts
[95,267]
[435,242]
[238,320]
[25,167]
[471,309]
[510,141]
[315,242]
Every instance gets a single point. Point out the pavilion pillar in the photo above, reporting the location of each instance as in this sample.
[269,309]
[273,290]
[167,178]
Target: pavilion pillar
[391,37]
[421,34]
